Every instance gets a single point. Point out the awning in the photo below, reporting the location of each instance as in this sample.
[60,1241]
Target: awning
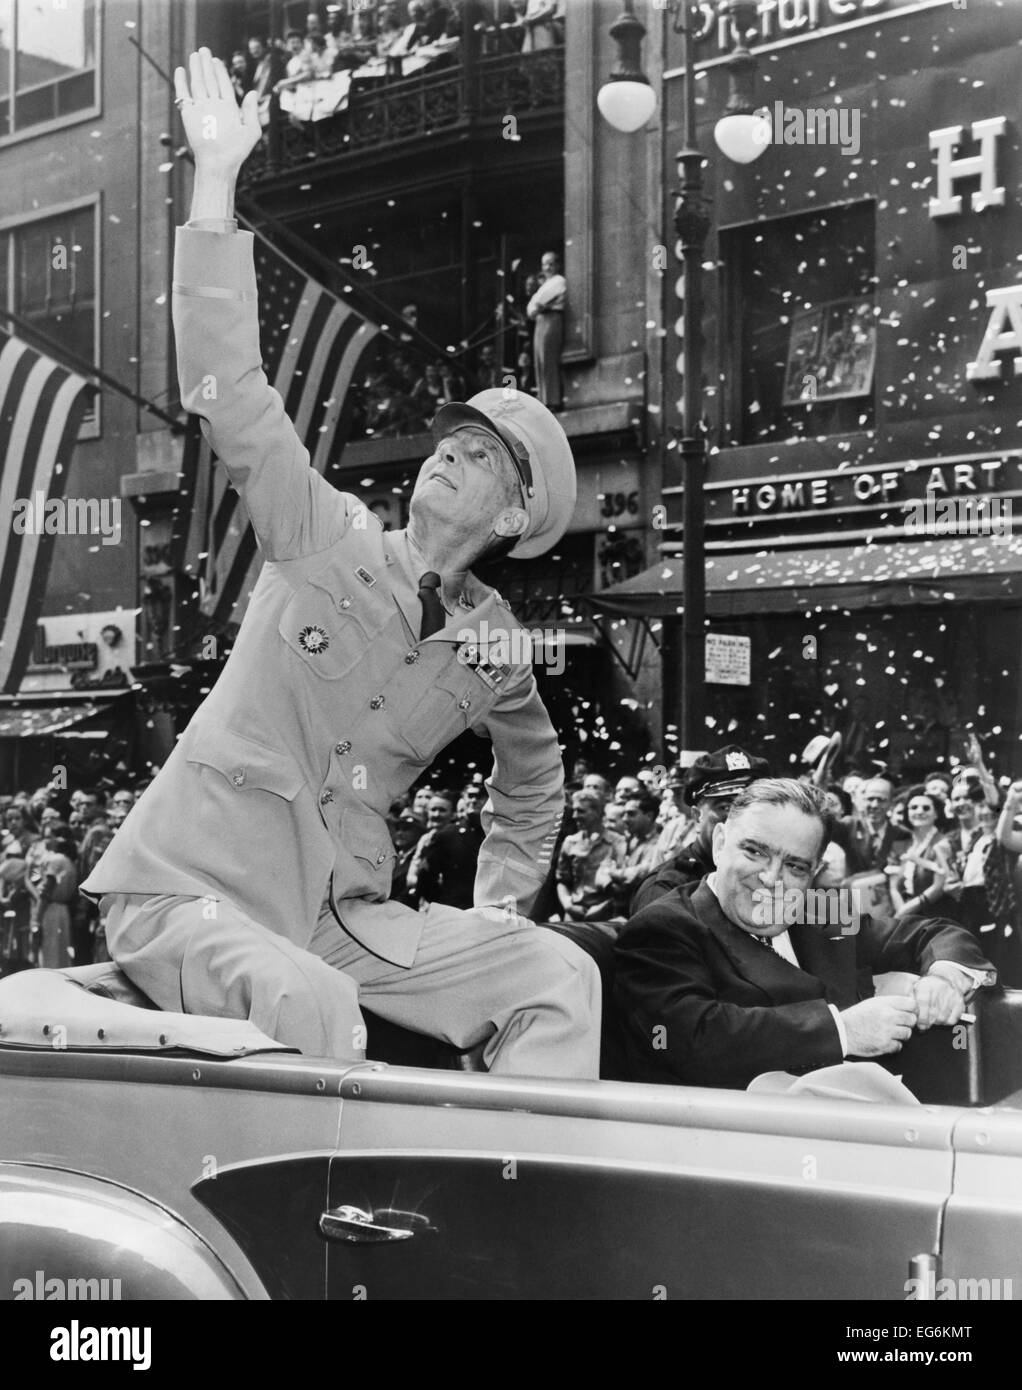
[35,721]
[890,575]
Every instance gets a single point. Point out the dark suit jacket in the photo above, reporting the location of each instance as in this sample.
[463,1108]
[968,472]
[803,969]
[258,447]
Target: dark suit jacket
[855,837]
[700,1002]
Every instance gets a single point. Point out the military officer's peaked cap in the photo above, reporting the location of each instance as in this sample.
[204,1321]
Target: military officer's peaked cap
[723,773]
[539,450]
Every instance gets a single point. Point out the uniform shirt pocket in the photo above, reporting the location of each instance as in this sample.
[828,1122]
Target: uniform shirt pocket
[453,703]
[331,628]
[367,839]
[248,766]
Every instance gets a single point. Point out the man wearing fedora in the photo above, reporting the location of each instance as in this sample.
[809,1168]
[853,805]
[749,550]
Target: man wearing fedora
[710,785]
[253,878]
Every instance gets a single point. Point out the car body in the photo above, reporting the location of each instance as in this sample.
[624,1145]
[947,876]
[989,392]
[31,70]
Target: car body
[276,1176]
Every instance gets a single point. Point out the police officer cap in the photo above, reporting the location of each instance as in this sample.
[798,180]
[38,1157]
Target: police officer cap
[539,450]
[723,773]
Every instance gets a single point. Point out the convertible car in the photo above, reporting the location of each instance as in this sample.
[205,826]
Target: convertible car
[146,1155]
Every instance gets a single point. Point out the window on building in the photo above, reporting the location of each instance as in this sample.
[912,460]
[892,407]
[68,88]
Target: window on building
[799,299]
[48,279]
[47,61]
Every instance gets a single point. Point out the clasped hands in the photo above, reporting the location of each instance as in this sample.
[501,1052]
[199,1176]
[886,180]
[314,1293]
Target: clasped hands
[884,1023]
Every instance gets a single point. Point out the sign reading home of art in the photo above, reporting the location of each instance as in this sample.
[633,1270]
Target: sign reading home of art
[894,486]
[728,659]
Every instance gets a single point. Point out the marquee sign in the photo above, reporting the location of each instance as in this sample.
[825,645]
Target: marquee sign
[891,485]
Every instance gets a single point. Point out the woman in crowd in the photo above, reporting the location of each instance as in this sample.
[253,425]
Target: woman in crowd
[917,880]
[53,883]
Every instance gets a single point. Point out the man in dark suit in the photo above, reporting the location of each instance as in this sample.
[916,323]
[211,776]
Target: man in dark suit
[870,840]
[715,985]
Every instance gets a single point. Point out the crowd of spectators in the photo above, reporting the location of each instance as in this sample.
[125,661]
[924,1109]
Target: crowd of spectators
[351,35]
[399,394]
[947,847]
[50,841]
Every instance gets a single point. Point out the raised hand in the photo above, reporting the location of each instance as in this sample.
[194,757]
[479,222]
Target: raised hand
[221,134]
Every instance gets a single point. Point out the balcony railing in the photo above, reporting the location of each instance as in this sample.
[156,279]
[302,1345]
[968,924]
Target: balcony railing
[390,113]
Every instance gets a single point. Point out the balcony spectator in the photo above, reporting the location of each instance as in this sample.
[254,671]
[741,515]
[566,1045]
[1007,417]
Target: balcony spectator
[544,25]
[349,49]
[389,30]
[322,58]
[431,391]
[313,25]
[511,24]
[438,17]
[414,32]
[489,373]
[267,65]
[546,307]
[241,73]
[523,371]
[299,65]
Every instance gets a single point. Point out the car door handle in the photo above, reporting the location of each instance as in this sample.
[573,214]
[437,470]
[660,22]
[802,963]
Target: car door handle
[366,1228]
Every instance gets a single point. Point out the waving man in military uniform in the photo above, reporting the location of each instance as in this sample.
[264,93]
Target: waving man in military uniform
[252,879]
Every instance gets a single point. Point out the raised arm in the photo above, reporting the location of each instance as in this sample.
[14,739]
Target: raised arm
[293,509]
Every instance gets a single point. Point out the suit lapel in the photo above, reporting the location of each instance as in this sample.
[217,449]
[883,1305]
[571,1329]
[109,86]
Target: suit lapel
[758,965]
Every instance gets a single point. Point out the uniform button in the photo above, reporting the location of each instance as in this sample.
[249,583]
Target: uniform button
[326,796]
[380,858]
[346,601]
[238,778]
[344,747]
[410,657]
[465,703]
[377,702]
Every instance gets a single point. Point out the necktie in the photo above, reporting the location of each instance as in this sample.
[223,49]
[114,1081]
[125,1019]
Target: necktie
[433,615]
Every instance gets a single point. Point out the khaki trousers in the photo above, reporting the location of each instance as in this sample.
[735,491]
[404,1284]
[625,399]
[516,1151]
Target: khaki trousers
[530,994]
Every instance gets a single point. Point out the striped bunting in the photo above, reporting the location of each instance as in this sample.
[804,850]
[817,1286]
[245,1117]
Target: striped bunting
[312,343]
[41,410]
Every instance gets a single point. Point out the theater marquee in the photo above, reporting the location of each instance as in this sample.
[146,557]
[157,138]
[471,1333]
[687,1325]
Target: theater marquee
[888,486]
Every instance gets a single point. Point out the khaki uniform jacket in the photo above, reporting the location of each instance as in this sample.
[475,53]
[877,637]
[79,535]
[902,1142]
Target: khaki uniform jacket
[329,706]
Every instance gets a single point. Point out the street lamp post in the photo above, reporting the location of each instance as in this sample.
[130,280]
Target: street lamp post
[627,102]
[692,224]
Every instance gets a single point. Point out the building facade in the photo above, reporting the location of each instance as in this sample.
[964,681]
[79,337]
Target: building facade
[90,201]
[862,398]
